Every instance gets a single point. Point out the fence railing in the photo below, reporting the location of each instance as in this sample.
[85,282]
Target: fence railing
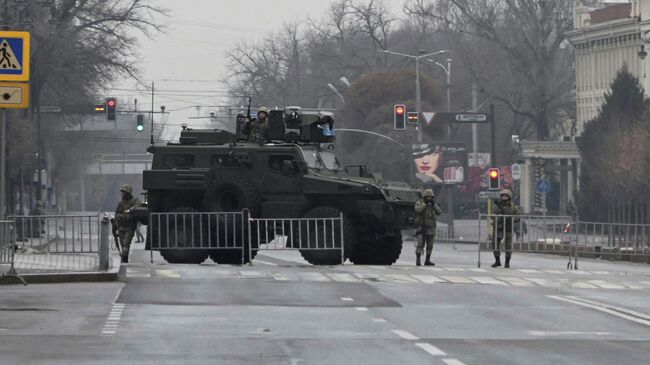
[7,251]
[612,240]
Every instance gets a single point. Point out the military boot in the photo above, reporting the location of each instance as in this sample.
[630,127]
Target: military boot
[125,258]
[507,265]
[428,262]
[497,260]
[417,260]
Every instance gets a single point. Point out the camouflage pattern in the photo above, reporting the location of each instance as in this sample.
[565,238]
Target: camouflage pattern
[126,188]
[426,211]
[506,220]
[126,223]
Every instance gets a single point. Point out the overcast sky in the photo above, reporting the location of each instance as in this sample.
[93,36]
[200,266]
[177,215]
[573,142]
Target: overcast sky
[199,32]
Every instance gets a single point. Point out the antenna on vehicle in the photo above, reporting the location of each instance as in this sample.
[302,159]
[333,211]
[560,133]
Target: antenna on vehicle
[248,112]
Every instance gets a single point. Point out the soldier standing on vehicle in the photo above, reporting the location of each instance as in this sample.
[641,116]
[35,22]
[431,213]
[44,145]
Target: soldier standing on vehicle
[426,210]
[506,214]
[126,223]
[257,128]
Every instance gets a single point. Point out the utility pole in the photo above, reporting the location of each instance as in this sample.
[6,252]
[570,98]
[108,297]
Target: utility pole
[3,159]
[474,125]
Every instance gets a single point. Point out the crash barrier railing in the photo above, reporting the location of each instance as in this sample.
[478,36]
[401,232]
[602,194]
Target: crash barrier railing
[303,234]
[7,251]
[618,241]
[198,231]
[61,243]
[528,234]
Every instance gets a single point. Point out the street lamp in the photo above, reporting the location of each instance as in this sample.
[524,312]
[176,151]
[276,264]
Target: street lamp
[447,71]
[423,54]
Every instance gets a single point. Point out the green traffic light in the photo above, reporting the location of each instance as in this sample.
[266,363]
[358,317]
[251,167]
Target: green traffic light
[140,127]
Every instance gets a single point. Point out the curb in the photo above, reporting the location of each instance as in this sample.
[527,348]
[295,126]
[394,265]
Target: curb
[66,277]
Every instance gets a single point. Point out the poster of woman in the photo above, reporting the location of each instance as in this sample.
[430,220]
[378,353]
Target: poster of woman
[440,163]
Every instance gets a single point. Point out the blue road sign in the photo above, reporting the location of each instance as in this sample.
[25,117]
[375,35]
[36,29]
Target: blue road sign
[14,56]
[543,186]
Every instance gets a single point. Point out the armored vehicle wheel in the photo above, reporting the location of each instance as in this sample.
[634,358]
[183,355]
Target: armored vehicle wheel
[181,230]
[317,235]
[384,250]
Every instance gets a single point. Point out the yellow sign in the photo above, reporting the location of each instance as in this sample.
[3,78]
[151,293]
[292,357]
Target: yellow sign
[14,95]
[14,56]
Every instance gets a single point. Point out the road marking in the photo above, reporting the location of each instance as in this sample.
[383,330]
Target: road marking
[428,279]
[370,277]
[487,280]
[345,278]
[379,320]
[631,285]
[567,333]
[279,277]
[606,285]
[456,269]
[553,271]
[432,350]
[167,273]
[476,269]
[516,281]
[432,268]
[253,274]
[529,271]
[313,276]
[605,308]
[361,309]
[458,280]
[347,299]
[265,262]
[543,282]
[134,273]
[405,335]
[601,272]
[401,278]
[582,285]
[453,362]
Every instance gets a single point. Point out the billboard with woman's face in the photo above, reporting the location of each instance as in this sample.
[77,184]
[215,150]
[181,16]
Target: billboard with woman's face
[440,163]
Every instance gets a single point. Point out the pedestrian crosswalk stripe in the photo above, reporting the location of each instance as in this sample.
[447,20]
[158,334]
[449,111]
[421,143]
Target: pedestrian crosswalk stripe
[582,285]
[554,271]
[487,280]
[279,277]
[135,273]
[346,278]
[430,268]
[458,280]
[428,279]
[476,269]
[399,278]
[606,285]
[167,273]
[253,274]
[455,269]
[529,271]
[313,276]
[516,281]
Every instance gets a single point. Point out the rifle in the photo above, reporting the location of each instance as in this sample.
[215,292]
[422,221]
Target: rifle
[248,112]
[116,236]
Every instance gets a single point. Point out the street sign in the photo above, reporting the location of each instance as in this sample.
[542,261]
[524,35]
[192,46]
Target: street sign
[543,186]
[14,95]
[14,56]
[516,171]
[462,117]
[412,118]
[471,118]
[50,109]
[489,194]
[428,116]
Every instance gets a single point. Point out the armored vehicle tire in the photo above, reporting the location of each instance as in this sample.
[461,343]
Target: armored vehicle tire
[382,251]
[181,234]
[315,239]
[231,257]
[230,192]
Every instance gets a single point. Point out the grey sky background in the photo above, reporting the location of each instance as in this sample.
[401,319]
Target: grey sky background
[190,54]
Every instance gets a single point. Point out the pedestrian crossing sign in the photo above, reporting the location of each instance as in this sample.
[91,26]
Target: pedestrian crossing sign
[14,56]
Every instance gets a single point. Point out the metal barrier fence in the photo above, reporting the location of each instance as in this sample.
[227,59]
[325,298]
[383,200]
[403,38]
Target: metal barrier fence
[193,236]
[303,234]
[60,243]
[7,251]
[612,240]
[173,233]
[528,234]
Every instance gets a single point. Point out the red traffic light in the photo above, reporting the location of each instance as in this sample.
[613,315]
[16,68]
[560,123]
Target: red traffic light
[110,103]
[495,179]
[494,174]
[399,109]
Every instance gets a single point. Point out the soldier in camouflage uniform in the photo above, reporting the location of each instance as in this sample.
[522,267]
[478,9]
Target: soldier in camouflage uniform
[506,213]
[126,223]
[426,210]
[256,129]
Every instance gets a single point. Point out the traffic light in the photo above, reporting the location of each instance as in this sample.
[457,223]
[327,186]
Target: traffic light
[139,125]
[111,105]
[412,118]
[494,177]
[399,117]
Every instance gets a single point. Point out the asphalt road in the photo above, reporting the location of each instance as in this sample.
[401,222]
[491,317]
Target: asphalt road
[283,311]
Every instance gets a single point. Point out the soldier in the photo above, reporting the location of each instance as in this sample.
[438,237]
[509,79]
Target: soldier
[126,223]
[506,214]
[426,210]
[256,129]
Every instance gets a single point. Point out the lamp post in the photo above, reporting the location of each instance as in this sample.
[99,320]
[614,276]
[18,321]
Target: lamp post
[447,71]
[423,54]
[344,81]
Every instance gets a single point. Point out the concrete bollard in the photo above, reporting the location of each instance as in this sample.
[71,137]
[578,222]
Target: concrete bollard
[103,243]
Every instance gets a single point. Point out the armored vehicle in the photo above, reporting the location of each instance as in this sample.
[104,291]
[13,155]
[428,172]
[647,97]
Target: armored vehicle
[293,174]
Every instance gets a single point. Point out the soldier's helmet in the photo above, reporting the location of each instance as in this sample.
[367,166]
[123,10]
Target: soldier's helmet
[506,192]
[428,192]
[126,188]
[263,110]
